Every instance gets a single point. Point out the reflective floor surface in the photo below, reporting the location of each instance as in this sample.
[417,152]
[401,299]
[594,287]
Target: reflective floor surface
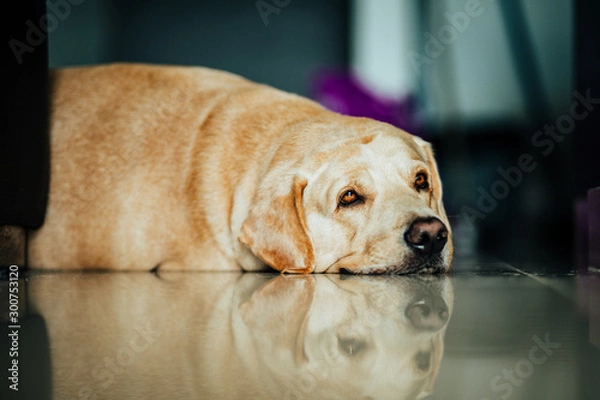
[495,334]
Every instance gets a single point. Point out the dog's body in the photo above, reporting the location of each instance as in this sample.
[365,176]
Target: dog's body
[190,168]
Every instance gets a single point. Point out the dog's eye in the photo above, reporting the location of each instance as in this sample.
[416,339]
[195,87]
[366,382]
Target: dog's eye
[421,182]
[348,198]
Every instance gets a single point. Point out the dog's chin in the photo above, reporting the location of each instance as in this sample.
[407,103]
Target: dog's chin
[414,265]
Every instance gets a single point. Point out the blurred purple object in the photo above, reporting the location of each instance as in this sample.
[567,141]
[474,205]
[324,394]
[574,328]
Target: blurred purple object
[343,93]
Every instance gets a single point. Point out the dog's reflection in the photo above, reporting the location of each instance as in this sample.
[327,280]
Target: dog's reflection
[132,336]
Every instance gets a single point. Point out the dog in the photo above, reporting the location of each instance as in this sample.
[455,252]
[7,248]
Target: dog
[187,168]
[239,336]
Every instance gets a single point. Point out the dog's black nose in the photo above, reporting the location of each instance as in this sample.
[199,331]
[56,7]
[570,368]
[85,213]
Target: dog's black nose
[427,235]
[429,313]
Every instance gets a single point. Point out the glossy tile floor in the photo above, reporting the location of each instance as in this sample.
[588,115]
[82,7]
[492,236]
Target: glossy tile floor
[488,331]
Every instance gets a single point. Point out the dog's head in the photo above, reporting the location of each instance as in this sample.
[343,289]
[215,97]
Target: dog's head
[364,197]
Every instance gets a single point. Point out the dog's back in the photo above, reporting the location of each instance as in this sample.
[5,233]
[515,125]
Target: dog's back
[143,163]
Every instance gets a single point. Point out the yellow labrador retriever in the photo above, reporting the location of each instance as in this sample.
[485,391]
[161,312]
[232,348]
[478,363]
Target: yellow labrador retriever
[184,168]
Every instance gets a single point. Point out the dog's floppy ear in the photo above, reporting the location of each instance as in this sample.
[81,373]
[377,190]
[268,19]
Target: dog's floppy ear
[276,230]
[436,182]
